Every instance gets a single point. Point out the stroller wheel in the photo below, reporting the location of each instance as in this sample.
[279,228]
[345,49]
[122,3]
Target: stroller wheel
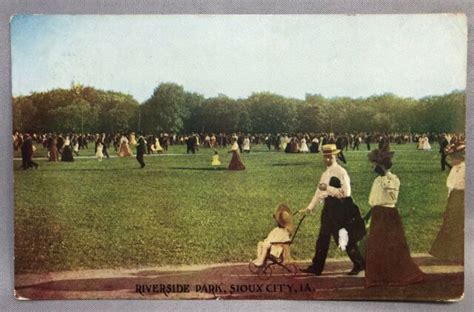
[290,270]
[254,268]
[265,272]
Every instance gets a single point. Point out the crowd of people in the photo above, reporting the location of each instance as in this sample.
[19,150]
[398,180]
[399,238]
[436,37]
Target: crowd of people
[386,261]
[64,147]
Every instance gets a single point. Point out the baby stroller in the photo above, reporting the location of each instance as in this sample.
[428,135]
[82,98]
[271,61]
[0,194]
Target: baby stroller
[280,264]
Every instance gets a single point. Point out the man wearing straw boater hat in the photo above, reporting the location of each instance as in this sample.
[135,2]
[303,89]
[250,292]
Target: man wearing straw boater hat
[340,217]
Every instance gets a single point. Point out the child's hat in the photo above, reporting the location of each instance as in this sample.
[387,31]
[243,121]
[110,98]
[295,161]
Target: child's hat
[284,217]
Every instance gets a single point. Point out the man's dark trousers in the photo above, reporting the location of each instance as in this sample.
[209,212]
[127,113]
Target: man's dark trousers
[333,218]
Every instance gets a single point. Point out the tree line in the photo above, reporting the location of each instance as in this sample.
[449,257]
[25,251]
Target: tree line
[172,109]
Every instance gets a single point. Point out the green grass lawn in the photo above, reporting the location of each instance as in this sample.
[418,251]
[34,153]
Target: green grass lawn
[179,210]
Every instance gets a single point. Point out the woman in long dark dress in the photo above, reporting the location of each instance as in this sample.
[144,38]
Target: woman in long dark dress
[67,150]
[449,243]
[314,148]
[235,162]
[53,150]
[388,259]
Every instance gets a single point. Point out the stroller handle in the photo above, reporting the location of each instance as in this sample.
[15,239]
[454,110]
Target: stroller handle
[297,227]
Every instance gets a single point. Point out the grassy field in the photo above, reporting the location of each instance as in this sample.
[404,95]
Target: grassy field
[179,210]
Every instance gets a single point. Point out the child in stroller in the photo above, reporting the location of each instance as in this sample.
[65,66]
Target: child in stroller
[274,249]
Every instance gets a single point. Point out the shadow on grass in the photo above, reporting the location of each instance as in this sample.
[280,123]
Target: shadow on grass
[199,169]
[291,164]
[79,169]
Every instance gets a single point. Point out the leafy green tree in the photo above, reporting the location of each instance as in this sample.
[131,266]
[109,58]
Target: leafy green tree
[165,110]
[80,116]
[271,113]
[193,122]
[219,114]
[172,109]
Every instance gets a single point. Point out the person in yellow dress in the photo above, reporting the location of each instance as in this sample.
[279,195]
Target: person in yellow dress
[133,140]
[215,159]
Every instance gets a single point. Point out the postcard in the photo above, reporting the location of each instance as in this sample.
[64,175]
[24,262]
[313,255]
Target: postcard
[295,157]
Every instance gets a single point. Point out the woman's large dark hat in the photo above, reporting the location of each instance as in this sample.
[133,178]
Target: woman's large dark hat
[381,156]
[456,150]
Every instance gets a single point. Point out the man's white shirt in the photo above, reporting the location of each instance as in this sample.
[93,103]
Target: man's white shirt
[335,170]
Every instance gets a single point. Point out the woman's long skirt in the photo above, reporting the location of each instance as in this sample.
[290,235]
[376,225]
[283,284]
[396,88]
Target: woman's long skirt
[449,243]
[67,154]
[388,261]
[235,162]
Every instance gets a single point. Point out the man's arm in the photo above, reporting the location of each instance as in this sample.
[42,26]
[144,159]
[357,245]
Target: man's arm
[345,189]
[319,195]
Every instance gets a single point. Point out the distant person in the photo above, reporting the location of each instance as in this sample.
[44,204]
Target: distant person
[27,150]
[75,145]
[304,147]
[357,141]
[141,150]
[240,142]
[99,149]
[340,146]
[235,162]
[67,151]
[53,150]
[215,162]
[105,143]
[156,148]
[314,145]
[124,149]
[268,141]
[246,145]
[368,139]
[164,140]
[132,140]
[294,145]
[424,143]
[191,144]
[384,143]
[443,146]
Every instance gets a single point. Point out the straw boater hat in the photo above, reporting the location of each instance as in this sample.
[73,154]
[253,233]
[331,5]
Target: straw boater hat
[284,217]
[381,157]
[330,149]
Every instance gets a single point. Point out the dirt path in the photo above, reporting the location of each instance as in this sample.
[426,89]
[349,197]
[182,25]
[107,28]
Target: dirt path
[234,281]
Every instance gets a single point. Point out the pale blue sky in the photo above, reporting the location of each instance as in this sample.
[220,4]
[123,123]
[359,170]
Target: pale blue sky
[291,55]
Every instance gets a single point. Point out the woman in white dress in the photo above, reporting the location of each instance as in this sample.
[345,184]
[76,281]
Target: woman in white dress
[75,147]
[425,143]
[304,147]
[99,150]
[246,145]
